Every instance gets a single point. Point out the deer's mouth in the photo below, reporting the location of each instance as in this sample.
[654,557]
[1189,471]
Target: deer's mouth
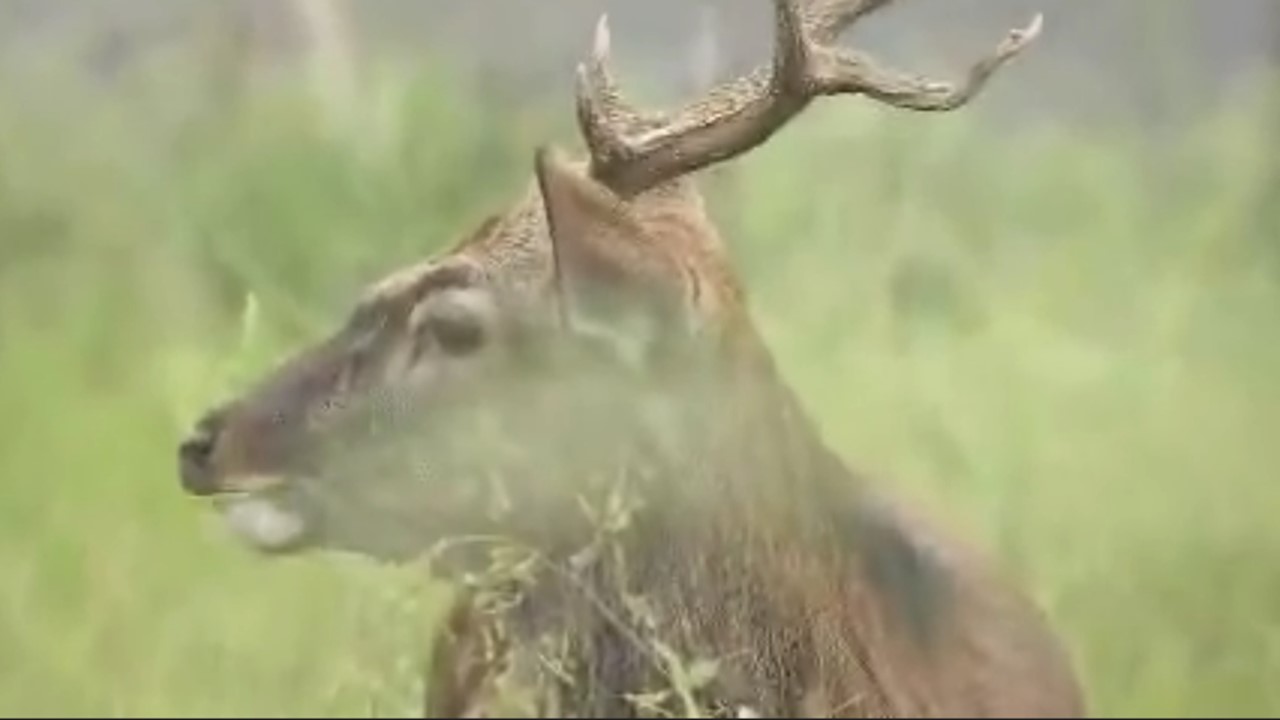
[289,515]
[269,513]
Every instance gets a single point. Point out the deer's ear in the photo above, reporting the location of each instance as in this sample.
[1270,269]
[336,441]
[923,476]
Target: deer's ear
[613,281]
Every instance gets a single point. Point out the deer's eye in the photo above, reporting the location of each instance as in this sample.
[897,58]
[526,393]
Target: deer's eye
[458,332]
[455,322]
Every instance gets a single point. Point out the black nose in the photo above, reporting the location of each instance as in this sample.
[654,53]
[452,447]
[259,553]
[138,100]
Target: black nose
[194,454]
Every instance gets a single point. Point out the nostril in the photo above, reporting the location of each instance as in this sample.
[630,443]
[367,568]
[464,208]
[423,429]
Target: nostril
[193,459]
[197,449]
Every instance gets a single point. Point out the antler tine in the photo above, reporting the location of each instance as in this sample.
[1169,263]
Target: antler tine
[601,108]
[853,73]
[631,152]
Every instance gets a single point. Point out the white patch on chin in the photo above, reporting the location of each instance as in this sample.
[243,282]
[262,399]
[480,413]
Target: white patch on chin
[263,522]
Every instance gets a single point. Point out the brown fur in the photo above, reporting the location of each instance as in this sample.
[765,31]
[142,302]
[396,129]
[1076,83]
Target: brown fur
[750,543]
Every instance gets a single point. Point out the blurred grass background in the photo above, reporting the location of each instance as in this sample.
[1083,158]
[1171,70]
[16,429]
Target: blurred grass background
[1067,340]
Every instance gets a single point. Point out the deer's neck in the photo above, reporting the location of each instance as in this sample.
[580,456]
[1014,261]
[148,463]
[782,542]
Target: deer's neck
[704,557]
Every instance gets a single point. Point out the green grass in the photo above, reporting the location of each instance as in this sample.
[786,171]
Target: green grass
[1067,343]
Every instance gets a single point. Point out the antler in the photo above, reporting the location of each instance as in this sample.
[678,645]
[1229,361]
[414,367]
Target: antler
[633,151]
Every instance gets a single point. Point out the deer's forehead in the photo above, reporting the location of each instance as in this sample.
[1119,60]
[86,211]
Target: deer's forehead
[412,283]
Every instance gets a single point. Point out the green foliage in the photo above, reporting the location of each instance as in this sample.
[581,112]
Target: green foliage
[1065,341]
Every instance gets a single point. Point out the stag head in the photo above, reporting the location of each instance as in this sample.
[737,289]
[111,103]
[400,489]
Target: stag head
[550,337]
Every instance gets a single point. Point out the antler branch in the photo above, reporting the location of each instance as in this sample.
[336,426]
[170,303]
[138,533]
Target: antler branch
[633,151]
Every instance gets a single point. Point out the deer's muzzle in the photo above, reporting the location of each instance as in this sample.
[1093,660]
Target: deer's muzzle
[213,460]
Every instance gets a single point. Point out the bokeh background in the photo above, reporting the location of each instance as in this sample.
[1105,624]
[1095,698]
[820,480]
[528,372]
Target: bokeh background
[1053,316]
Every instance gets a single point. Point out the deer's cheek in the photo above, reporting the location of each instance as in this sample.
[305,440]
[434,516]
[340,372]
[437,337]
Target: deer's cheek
[421,378]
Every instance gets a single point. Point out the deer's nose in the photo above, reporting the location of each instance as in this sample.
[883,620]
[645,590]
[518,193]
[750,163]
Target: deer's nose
[194,457]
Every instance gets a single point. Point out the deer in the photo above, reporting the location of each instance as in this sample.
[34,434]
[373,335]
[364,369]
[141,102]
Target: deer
[570,413]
